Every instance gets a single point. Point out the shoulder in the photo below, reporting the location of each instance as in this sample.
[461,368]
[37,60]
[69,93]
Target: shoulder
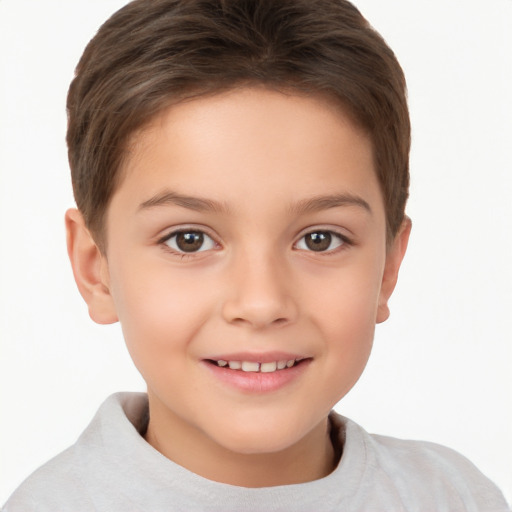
[421,474]
[70,480]
[54,485]
[425,460]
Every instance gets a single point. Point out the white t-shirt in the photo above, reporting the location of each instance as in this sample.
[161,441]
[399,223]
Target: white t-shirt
[111,468]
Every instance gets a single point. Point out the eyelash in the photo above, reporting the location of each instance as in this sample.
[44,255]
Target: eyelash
[164,242]
[344,242]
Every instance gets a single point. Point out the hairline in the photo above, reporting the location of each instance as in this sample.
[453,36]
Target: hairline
[99,230]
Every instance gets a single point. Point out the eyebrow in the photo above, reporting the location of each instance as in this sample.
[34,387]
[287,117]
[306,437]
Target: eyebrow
[320,203]
[199,204]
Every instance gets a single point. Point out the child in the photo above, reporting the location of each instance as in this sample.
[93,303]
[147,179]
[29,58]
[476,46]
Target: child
[241,172]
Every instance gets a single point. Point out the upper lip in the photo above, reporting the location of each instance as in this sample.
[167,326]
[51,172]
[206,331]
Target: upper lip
[261,357]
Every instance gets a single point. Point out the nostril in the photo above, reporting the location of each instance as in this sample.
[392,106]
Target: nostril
[259,307]
[260,322]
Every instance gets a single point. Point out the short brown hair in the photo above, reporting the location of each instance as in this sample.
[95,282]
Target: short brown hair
[152,53]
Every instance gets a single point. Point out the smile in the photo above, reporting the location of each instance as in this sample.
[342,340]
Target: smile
[256,374]
[256,367]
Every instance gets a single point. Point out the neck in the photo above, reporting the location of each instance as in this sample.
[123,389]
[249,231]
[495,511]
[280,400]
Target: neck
[311,458]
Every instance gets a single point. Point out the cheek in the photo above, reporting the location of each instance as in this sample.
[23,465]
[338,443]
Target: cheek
[347,299]
[349,330]
[159,311]
[346,315]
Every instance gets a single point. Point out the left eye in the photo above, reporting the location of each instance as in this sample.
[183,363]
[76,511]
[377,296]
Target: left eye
[320,241]
[190,241]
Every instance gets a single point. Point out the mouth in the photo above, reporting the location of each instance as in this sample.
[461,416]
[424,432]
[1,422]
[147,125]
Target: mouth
[256,366]
[251,374]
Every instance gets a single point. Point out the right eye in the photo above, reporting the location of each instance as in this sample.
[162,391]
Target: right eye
[321,241]
[189,241]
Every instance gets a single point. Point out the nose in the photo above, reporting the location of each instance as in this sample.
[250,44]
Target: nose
[260,293]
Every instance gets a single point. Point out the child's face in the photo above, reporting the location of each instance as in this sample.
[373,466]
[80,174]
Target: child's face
[249,226]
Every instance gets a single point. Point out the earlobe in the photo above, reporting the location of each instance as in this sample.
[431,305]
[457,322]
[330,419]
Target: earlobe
[90,269]
[394,259]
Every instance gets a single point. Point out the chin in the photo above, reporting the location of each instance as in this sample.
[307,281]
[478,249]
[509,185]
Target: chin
[258,438]
[259,445]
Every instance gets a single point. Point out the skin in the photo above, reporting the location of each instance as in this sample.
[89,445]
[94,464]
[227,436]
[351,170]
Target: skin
[255,286]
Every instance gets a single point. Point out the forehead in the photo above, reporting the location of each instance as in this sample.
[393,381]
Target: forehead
[223,145]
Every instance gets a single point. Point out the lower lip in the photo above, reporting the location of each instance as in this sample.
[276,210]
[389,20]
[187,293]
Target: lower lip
[258,382]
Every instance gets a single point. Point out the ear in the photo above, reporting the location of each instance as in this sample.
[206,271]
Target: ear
[394,259]
[90,269]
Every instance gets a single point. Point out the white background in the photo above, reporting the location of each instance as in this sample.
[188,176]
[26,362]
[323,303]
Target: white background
[441,367]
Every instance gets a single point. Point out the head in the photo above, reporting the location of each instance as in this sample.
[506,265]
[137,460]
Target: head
[155,53]
[240,170]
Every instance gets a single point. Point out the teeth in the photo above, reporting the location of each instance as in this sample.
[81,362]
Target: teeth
[268,367]
[248,366]
[251,366]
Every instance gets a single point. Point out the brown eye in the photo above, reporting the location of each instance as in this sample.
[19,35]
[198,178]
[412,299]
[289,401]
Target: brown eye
[190,241]
[320,241]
